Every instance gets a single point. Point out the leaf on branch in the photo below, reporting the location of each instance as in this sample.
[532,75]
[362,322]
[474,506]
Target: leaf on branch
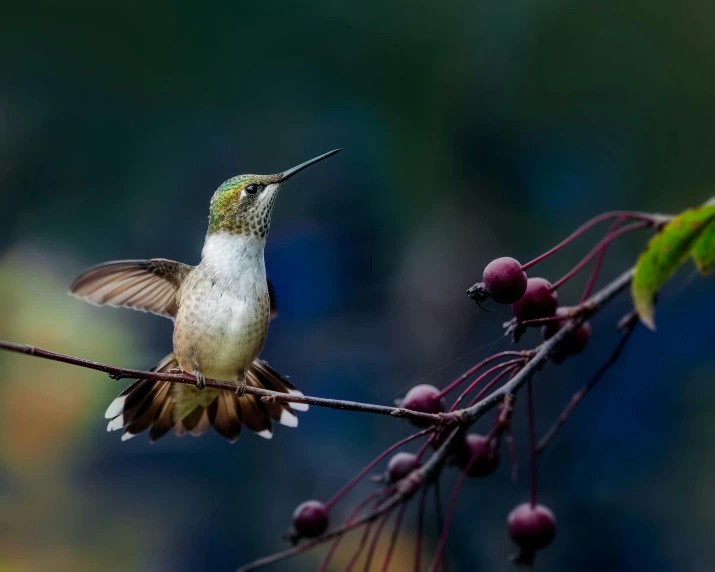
[667,251]
[704,250]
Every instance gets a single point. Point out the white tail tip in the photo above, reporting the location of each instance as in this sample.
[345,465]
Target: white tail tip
[115,407]
[288,419]
[298,406]
[116,423]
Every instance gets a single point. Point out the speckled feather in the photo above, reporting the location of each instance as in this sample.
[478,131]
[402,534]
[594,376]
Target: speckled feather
[235,212]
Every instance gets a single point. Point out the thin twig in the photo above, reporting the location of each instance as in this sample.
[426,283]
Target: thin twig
[596,250]
[532,443]
[579,395]
[536,321]
[373,545]
[420,527]
[599,262]
[512,454]
[512,369]
[289,552]
[357,478]
[440,522]
[472,370]
[654,220]
[504,366]
[363,540]
[393,538]
[269,396]
[358,509]
[444,532]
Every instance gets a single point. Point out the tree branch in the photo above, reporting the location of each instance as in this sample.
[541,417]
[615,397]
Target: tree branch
[269,396]
[430,470]
[425,475]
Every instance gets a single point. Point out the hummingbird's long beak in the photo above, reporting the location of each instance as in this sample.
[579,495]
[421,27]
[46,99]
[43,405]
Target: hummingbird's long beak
[290,172]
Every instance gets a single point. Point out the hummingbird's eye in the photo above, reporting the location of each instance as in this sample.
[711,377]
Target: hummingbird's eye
[251,189]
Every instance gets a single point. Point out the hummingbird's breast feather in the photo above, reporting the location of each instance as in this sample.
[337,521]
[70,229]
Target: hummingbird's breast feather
[224,309]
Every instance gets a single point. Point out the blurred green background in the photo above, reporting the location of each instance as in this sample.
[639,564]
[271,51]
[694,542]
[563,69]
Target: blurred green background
[470,130]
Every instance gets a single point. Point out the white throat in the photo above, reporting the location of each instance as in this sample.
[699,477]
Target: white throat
[233,256]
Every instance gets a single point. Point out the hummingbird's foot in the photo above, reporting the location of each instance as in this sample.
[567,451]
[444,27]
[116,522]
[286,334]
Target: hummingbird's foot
[241,384]
[200,379]
[241,389]
[175,370]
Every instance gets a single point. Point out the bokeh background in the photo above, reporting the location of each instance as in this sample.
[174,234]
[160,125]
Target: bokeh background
[470,130]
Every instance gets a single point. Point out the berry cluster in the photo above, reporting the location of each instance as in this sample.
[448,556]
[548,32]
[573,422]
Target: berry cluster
[534,302]
[445,429]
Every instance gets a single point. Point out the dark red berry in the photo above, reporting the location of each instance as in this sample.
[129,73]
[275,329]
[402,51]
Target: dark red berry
[401,465]
[573,343]
[487,457]
[310,519]
[537,302]
[504,280]
[532,528]
[425,399]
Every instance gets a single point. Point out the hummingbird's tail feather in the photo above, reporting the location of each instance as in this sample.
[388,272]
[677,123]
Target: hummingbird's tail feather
[161,406]
[226,421]
[145,403]
[260,374]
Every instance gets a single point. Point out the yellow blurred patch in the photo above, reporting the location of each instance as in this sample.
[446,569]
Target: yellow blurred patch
[44,405]
[403,554]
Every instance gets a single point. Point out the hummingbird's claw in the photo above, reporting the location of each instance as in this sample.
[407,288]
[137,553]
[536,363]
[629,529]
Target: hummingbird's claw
[200,379]
[175,370]
[241,388]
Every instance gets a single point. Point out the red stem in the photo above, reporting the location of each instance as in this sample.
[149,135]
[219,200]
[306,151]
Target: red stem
[476,368]
[532,443]
[541,320]
[513,369]
[599,262]
[420,526]
[580,394]
[486,374]
[375,538]
[393,538]
[588,225]
[361,544]
[596,249]
[512,454]
[342,492]
[452,505]
[440,524]
[425,446]
[450,511]
[351,518]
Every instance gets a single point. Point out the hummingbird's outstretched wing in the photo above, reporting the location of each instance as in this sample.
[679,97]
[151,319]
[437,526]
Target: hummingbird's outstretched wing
[145,285]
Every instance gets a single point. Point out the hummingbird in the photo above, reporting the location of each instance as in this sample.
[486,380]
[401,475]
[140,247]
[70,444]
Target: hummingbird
[221,310]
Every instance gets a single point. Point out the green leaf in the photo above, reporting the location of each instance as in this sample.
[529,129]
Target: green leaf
[665,252]
[704,250]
